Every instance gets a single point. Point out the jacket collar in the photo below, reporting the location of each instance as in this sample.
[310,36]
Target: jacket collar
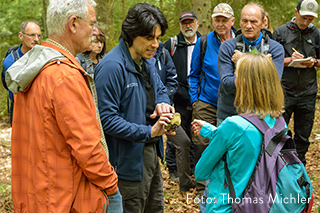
[293,27]
[181,40]
[66,54]
[129,64]
[233,30]
[159,51]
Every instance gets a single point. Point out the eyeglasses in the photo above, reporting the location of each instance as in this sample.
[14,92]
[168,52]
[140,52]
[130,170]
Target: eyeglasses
[32,35]
[188,22]
[93,24]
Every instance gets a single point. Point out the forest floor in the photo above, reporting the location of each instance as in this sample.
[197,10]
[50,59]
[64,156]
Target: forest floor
[174,200]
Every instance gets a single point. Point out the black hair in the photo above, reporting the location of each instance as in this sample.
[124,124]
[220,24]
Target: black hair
[141,20]
[299,5]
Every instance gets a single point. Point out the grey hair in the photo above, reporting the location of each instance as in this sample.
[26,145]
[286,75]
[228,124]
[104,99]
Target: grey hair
[59,11]
[254,4]
[25,23]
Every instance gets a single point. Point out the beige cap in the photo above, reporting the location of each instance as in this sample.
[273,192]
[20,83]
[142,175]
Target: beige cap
[308,8]
[223,9]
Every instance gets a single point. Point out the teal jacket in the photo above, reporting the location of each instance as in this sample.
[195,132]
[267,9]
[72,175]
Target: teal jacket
[242,142]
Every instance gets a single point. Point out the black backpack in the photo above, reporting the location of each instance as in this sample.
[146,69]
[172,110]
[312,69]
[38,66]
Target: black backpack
[82,61]
[15,56]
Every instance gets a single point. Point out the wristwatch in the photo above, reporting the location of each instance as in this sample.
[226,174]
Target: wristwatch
[315,62]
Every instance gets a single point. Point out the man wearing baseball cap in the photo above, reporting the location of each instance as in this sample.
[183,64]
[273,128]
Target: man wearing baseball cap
[181,48]
[204,91]
[300,39]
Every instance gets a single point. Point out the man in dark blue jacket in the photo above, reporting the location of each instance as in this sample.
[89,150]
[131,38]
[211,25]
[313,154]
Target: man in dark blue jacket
[134,108]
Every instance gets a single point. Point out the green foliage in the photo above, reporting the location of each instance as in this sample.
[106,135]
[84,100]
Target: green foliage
[171,9]
[12,14]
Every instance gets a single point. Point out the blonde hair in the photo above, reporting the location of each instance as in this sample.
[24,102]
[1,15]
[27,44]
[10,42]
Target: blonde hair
[259,89]
[268,23]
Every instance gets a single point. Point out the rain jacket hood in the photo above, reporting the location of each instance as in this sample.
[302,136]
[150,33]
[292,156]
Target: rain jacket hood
[58,162]
[31,63]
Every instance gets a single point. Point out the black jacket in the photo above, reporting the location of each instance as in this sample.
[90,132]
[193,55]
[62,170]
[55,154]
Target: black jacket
[180,61]
[298,81]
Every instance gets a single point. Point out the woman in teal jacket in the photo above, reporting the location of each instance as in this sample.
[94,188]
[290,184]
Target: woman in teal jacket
[258,91]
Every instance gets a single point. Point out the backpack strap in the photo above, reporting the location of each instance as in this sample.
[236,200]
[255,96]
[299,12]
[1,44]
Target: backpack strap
[240,45]
[317,42]
[203,48]
[164,56]
[232,192]
[262,126]
[82,61]
[303,183]
[174,41]
[265,43]
[3,76]
[15,55]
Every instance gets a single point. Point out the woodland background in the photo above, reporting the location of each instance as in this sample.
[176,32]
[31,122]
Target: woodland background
[110,14]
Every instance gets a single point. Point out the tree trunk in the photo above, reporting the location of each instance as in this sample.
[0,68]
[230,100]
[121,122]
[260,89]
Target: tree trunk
[123,9]
[44,18]
[104,13]
[202,9]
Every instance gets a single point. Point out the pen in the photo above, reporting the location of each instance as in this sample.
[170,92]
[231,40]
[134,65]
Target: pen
[295,50]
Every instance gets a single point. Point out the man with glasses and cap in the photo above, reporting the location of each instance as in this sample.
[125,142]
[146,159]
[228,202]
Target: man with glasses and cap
[30,35]
[204,78]
[300,39]
[181,48]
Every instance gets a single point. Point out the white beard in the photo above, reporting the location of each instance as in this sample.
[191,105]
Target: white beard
[189,34]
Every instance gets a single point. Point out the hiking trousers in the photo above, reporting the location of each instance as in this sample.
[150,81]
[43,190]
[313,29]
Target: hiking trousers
[303,109]
[145,195]
[182,143]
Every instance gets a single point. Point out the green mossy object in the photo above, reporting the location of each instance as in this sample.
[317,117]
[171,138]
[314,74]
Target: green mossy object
[174,123]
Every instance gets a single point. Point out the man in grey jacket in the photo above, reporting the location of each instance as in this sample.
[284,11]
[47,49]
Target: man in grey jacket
[251,38]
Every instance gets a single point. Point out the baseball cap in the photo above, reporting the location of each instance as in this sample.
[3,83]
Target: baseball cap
[308,7]
[223,9]
[187,15]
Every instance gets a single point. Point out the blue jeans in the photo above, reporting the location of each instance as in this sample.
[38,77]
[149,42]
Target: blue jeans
[115,203]
[205,196]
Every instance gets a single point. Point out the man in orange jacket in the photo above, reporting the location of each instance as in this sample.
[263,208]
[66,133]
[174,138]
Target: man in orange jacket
[59,154]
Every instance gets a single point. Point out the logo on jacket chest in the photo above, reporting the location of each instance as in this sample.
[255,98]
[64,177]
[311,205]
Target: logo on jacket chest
[135,84]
